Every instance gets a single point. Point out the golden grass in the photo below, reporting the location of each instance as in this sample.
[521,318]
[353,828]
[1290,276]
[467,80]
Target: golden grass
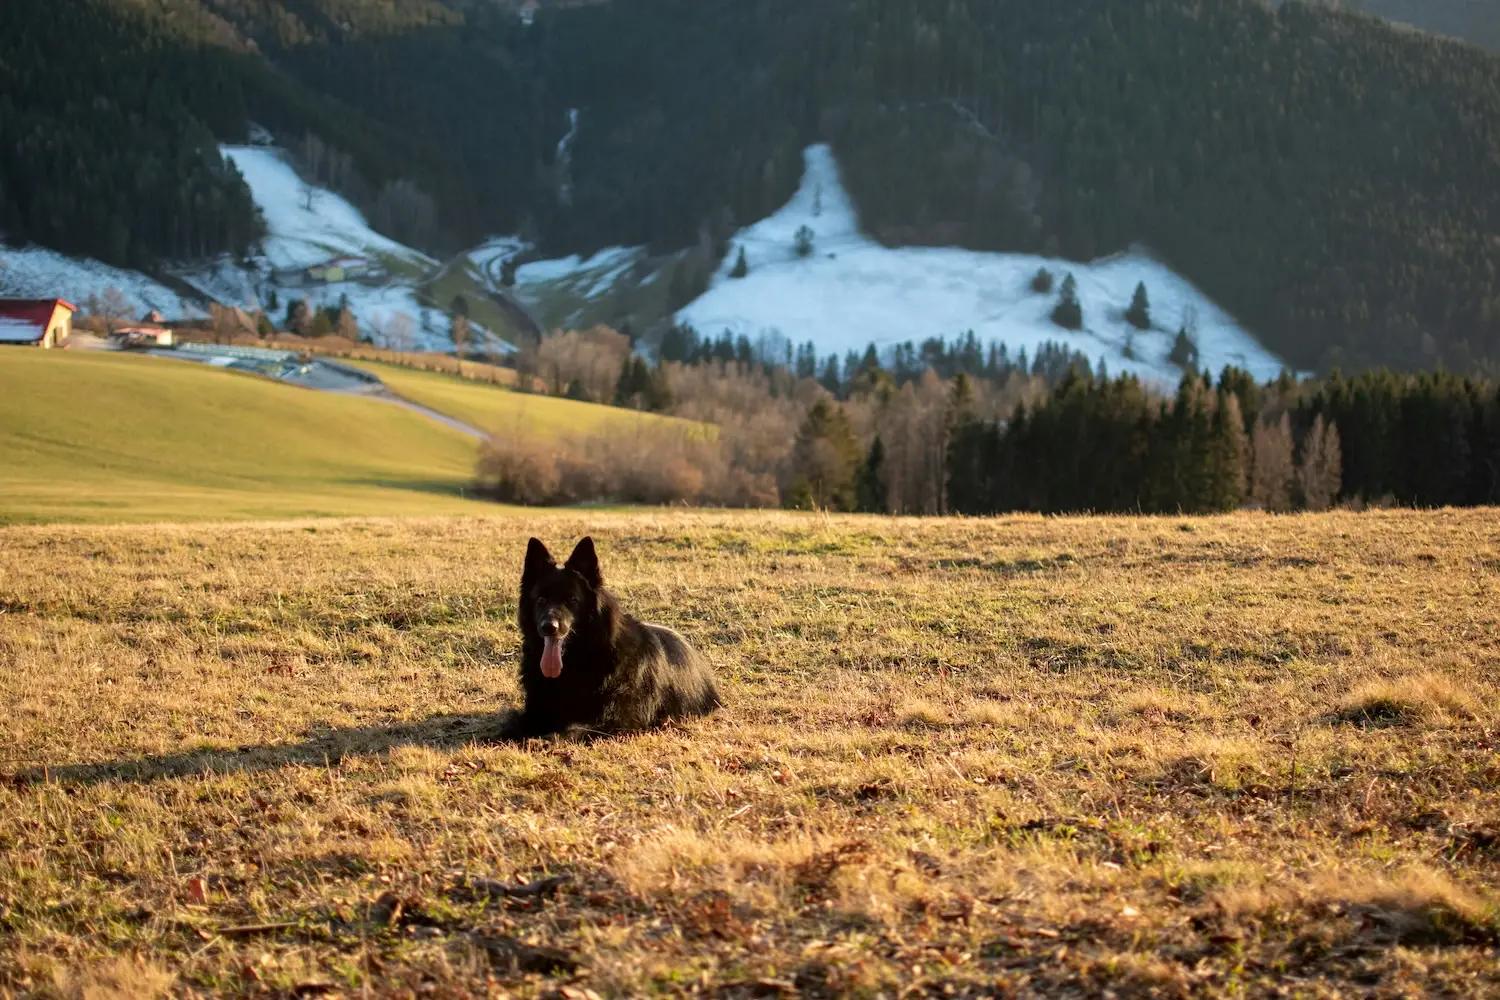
[98,436]
[1080,757]
[504,411]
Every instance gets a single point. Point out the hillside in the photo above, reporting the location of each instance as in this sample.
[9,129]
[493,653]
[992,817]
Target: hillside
[1246,756]
[504,411]
[849,291]
[94,436]
[1323,177]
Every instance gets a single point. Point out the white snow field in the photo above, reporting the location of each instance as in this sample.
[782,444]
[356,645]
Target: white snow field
[299,236]
[305,227]
[851,291]
[38,273]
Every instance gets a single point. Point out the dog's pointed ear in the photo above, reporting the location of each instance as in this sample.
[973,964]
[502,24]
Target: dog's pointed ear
[585,562]
[537,559]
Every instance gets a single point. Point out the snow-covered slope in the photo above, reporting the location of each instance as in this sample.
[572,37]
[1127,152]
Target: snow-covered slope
[301,236]
[851,291]
[37,273]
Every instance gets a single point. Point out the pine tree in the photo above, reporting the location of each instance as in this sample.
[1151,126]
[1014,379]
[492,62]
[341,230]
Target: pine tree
[1068,313]
[830,379]
[1139,313]
[741,266]
[802,242]
[1229,455]
[1041,282]
[826,456]
[871,489]
[1184,352]
[321,325]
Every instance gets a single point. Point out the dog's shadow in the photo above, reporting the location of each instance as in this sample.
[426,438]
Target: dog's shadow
[323,749]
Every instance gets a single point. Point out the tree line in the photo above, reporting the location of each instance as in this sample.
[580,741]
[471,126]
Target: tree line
[1105,445]
[949,427]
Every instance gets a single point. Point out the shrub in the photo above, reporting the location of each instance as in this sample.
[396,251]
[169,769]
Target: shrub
[804,242]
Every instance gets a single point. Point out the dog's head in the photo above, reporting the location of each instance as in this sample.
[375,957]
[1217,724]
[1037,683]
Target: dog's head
[556,600]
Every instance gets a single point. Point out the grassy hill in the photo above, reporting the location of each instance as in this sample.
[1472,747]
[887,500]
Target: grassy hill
[1247,756]
[108,437]
[500,410]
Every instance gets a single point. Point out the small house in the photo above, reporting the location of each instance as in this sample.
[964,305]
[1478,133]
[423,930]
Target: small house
[36,322]
[339,269]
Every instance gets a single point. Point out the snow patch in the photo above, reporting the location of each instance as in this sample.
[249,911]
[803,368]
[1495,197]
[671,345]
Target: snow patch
[38,273]
[308,225]
[852,291]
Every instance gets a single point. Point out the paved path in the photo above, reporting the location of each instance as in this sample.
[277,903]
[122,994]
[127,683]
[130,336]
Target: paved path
[380,392]
[332,376]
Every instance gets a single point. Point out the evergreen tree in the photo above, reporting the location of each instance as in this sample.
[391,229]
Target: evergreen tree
[826,458]
[741,266]
[679,343]
[1068,313]
[1184,352]
[871,489]
[1041,282]
[1139,313]
[830,379]
[802,242]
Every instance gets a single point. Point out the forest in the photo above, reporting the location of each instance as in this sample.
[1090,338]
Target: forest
[1324,176]
[946,427]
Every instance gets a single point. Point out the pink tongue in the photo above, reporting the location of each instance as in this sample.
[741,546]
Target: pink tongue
[551,658]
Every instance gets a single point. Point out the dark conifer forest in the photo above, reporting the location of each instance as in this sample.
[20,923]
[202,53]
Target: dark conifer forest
[1329,179]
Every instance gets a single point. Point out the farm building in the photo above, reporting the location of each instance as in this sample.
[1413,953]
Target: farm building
[36,322]
[339,269]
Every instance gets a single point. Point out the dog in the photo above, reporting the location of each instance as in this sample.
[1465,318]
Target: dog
[588,669]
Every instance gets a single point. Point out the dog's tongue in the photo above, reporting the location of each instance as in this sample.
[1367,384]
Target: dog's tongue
[551,657]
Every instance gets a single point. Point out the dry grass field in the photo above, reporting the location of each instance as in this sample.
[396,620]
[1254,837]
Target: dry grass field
[1246,756]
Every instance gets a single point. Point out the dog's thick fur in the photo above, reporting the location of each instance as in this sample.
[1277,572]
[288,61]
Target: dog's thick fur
[618,675]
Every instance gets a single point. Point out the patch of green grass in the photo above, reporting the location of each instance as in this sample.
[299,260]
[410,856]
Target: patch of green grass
[456,279]
[504,411]
[111,437]
[640,295]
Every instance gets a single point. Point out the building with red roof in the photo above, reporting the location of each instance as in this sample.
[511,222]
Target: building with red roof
[36,322]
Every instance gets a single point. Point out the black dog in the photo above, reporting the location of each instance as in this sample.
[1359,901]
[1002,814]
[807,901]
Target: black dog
[587,667]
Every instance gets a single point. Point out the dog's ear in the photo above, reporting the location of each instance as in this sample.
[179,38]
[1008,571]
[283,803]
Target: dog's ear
[585,562]
[537,559]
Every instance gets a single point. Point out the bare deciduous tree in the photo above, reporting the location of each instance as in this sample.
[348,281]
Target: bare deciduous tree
[1321,474]
[1272,471]
[589,362]
[112,309]
[405,212]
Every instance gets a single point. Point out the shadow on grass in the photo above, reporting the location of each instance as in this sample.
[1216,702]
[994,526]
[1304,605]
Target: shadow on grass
[461,489]
[440,732]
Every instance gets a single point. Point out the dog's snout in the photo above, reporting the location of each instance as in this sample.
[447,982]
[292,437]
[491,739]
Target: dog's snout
[549,628]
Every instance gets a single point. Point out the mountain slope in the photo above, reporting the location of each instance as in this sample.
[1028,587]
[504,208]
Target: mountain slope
[850,291]
[1325,177]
